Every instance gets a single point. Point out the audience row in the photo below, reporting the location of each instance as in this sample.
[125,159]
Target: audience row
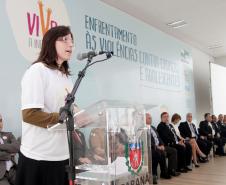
[182,143]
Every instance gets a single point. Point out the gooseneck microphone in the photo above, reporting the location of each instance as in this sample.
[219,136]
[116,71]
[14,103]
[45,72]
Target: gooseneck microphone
[90,54]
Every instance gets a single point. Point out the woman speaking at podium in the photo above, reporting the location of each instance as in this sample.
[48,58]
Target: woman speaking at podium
[43,154]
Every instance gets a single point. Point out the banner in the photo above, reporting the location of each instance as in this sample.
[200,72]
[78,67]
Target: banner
[148,66]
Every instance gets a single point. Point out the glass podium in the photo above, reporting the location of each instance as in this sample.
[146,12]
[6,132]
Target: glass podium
[111,144]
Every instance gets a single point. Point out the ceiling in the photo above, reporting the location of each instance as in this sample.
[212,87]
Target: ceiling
[206,20]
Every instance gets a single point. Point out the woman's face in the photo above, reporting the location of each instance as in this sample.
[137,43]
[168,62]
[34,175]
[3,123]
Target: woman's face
[176,121]
[64,46]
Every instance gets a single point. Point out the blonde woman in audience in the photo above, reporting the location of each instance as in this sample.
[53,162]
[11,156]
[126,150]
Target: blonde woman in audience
[188,131]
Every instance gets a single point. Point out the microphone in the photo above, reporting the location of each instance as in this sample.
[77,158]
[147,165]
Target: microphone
[90,54]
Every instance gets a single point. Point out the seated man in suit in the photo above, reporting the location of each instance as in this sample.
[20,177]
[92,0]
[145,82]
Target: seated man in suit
[9,146]
[206,132]
[215,125]
[205,127]
[218,140]
[220,120]
[169,138]
[159,152]
[223,126]
[188,131]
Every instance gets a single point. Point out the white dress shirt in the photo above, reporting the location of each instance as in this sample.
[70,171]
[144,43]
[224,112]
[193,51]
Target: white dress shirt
[213,131]
[193,134]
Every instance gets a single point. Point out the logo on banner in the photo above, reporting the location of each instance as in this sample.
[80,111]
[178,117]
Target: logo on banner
[30,20]
[38,25]
[134,157]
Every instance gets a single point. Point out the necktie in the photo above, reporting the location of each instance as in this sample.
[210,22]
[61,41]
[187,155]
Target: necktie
[154,136]
[192,128]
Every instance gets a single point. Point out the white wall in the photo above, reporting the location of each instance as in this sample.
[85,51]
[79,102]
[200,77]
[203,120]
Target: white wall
[221,61]
[201,73]
[218,76]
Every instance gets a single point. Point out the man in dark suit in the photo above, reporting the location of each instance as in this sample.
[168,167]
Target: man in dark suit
[218,140]
[222,123]
[169,138]
[159,152]
[221,127]
[9,146]
[216,126]
[206,132]
[220,120]
[205,127]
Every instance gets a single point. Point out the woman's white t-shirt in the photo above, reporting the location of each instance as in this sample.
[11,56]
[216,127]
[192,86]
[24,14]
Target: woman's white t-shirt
[44,88]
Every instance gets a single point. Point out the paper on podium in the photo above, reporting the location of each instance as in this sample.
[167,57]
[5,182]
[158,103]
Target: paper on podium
[80,120]
[118,167]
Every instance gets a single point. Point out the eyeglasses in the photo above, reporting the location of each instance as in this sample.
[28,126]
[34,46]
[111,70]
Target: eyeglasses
[65,40]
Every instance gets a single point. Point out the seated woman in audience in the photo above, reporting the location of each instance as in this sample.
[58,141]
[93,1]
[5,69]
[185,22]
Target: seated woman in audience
[175,120]
[188,131]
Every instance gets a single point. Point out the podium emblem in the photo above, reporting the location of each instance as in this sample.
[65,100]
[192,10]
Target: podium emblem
[134,157]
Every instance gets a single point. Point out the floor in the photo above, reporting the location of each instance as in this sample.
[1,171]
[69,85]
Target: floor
[211,173]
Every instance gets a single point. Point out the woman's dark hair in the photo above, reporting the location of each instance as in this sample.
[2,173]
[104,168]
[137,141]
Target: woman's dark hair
[48,53]
[175,117]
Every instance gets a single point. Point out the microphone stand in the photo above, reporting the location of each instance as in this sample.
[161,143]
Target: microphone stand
[67,116]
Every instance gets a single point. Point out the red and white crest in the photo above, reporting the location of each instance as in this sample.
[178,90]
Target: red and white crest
[134,155]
